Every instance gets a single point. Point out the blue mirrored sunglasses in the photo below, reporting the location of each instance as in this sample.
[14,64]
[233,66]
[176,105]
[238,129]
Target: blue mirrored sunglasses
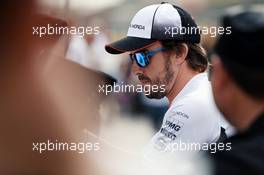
[142,58]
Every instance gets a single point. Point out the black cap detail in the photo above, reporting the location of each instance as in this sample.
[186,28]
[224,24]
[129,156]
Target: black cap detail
[245,43]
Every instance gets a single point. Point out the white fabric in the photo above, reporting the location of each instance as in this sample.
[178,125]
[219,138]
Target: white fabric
[191,118]
[167,15]
[161,14]
[141,24]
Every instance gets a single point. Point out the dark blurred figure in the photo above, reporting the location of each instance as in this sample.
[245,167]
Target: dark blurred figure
[43,96]
[238,86]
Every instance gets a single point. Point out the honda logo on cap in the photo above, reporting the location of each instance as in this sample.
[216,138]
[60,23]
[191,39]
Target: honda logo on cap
[137,26]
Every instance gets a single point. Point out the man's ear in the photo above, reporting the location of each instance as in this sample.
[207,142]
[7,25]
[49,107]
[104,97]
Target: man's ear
[181,53]
[220,78]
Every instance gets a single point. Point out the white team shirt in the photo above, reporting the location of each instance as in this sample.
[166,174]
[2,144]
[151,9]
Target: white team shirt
[192,117]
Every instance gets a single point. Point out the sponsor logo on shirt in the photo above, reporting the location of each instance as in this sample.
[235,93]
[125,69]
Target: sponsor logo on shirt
[172,125]
[179,113]
[182,114]
[171,128]
[168,134]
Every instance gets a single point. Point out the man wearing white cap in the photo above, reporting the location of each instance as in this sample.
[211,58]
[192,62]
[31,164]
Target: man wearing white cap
[163,42]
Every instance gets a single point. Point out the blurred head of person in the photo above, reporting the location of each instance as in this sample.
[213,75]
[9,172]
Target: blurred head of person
[238,69]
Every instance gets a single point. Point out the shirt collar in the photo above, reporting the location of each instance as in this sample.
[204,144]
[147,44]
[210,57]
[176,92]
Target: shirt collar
[191,85]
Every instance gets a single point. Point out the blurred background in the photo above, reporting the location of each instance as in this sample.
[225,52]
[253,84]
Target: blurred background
[49,85]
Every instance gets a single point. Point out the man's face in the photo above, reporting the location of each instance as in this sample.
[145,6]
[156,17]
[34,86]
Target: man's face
[159,73]
[224,90]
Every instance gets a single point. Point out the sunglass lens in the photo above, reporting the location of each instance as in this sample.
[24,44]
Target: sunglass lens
[140,57]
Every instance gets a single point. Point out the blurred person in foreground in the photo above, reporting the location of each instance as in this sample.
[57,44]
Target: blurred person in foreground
[44,98]
[178,63]
[238,88]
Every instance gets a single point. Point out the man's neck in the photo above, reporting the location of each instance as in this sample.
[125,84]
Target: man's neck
[182,79]
[247,111]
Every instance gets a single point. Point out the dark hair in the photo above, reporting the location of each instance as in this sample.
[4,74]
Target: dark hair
[196,57]
[250,80]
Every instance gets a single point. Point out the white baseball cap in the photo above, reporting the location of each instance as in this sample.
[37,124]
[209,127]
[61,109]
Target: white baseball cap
[156,22]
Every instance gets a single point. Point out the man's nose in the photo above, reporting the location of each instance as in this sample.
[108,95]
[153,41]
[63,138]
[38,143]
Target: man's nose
[136,69]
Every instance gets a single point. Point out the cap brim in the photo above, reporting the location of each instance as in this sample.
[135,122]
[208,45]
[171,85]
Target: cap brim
[129,44]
